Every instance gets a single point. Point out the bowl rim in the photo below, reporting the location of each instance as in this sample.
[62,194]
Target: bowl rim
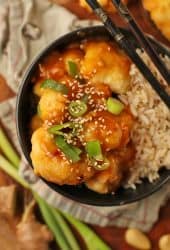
[45,51]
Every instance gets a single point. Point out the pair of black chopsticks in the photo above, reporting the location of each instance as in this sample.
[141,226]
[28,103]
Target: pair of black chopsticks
[129,48]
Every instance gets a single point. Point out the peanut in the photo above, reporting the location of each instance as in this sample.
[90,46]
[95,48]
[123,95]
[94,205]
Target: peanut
[137,239]
[164,242]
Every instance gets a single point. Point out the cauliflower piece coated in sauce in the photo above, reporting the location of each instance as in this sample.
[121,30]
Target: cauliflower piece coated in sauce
[52,106]
[107,180]
[49,163]
[112,131]
[104,63]
[102,126]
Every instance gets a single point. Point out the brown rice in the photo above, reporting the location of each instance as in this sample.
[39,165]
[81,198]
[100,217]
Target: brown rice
[151,132]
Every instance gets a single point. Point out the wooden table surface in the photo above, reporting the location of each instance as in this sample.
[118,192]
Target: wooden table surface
[112,235]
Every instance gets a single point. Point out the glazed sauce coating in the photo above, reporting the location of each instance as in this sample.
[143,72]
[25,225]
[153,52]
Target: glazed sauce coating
[82,116]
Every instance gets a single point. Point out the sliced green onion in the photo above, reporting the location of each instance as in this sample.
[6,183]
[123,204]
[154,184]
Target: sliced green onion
[59,133]
[70,151]
[93,150]
[52,84]
[114,106]
[56,128]
[77,108]
[101,165]
[76,149]
[73,69]
[74,72]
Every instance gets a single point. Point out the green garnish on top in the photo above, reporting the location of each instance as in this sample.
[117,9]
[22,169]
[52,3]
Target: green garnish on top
[93,149]
[101,165]
[54,85]
[56,128]
[71,152]
[114,106]
[73,69]
[77,108]
[98,161]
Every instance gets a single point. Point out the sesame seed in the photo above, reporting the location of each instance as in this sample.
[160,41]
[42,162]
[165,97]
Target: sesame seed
[89,169]
[95,163]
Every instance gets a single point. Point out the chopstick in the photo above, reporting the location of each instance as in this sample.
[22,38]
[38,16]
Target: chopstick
[142,39]
[130,50]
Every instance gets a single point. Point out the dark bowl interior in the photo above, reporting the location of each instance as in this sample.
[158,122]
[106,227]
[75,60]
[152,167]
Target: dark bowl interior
[26,108]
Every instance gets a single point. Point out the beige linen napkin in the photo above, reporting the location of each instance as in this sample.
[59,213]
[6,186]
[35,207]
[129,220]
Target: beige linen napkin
[26,27]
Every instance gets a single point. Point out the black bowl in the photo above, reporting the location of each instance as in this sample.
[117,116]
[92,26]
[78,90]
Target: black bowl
[26,108]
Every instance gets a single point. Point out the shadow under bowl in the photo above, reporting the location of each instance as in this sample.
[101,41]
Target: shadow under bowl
[26,107]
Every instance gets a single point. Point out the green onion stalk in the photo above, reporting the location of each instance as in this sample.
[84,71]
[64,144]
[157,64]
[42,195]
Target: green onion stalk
[93,242]
[51,222]
[56,86]
[8,150]
[55,220]
[73,69]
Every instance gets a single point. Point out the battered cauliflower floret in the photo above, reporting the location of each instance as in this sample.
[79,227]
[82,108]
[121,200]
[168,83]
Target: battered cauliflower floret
[102,126]
[160,14]
[111,130]
[104,63]
[52,106]
[49,163]
[108,180]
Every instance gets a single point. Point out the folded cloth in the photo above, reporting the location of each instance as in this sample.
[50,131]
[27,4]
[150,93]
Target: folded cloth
[31,26]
